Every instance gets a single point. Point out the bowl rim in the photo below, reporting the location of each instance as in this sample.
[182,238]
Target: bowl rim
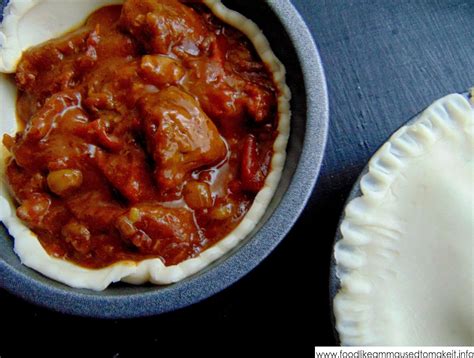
[233,267]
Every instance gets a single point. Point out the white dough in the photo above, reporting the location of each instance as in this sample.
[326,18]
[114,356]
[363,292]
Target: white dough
[406,257]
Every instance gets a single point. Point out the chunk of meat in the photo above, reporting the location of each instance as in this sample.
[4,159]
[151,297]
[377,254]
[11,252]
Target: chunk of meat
[222,73]
[96,208]
[162,26]
[78,235]
[61,64]
[37,208]
[49,68]
[227,96]
[222,210]
[179,135]
[96,132]
[43,145]
[43,213]
[23,184]
[156,229]
[53,111]
[128,172]
[110,86]
[34,209]
[198,195]
[253,172]
[160,70]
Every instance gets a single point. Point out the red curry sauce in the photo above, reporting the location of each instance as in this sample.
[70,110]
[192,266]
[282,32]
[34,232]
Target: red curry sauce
[148,132]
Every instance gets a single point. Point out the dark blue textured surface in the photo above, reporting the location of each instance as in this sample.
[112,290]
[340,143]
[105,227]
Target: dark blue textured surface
[384,62]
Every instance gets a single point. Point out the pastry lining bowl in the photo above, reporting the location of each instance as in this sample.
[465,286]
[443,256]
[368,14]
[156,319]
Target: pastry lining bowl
[292,43]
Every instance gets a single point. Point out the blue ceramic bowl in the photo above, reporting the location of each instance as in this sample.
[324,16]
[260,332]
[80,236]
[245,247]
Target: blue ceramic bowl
[292,43]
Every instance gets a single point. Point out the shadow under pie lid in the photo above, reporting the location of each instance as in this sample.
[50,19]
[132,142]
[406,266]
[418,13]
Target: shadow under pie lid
[292,42]
[402,269]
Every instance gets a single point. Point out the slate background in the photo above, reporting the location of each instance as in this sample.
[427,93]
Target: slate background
[385,60]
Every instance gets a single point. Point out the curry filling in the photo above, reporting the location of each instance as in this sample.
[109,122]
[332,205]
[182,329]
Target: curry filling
[147,132]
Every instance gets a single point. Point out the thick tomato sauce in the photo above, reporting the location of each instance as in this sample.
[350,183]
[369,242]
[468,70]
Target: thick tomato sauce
[147,133]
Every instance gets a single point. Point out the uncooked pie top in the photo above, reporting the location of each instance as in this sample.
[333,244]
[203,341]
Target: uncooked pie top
[405,260]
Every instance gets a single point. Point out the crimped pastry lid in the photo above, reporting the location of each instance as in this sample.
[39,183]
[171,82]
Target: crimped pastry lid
[405,261]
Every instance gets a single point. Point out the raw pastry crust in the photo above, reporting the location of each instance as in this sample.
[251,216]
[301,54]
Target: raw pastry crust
[405,258]
[27,246]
